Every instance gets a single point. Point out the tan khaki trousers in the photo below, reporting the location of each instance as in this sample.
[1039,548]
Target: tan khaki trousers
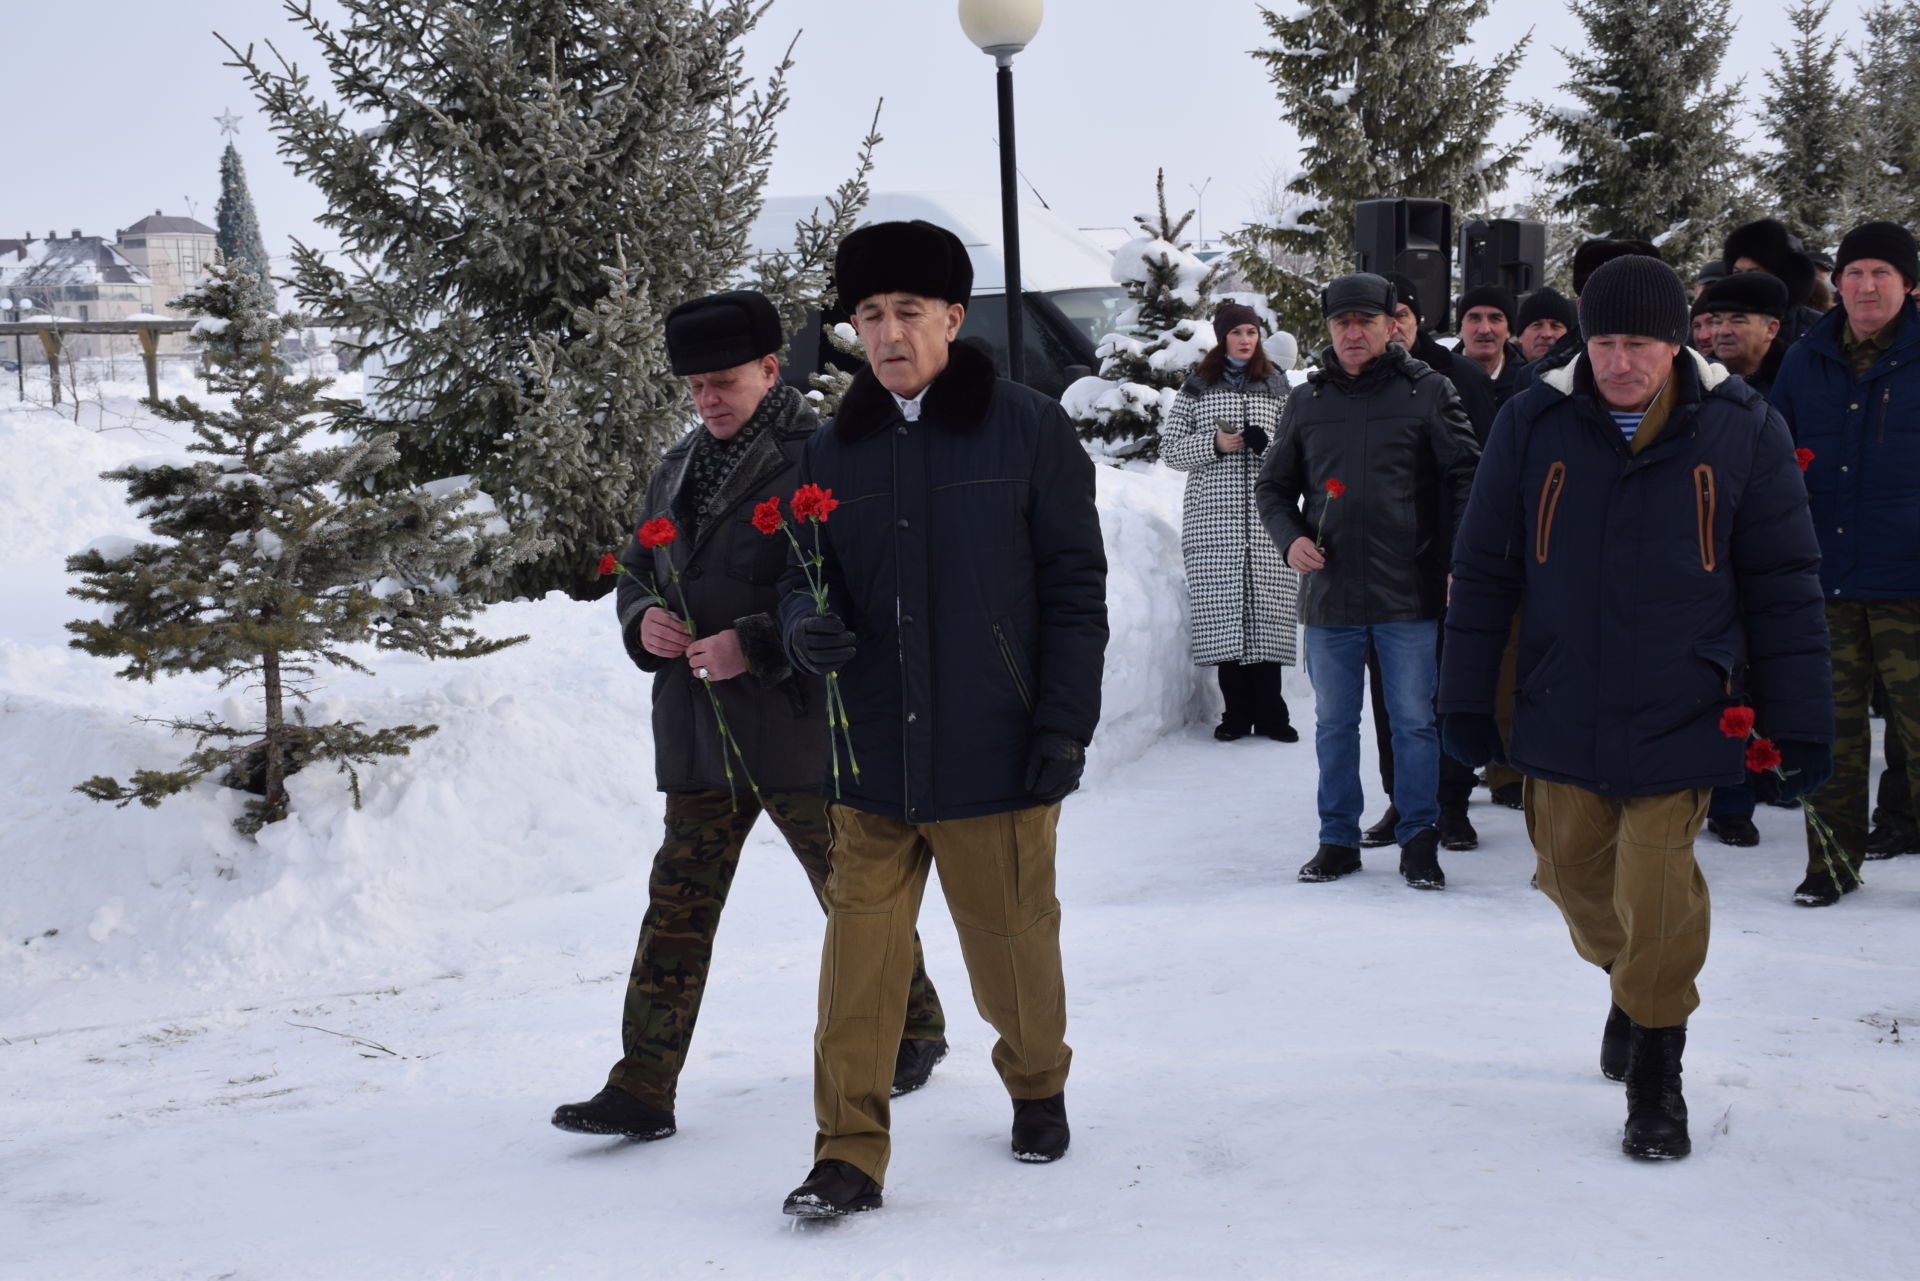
[1623,875]
[997,875]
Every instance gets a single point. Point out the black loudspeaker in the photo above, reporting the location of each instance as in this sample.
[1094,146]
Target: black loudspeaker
[1414,238]
[1509,252]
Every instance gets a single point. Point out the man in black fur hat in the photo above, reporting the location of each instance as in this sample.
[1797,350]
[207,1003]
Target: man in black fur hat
[1767,245]
[747,446]
[967,623]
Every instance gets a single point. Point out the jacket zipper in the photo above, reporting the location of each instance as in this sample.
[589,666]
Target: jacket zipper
[1549,504]
[1703,512]
[1886,394]
[1013,668]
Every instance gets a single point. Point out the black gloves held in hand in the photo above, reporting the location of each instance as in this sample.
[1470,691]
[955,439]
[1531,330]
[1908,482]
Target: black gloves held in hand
[1472,738]
[1806,766]
[820,643]
[1054,766]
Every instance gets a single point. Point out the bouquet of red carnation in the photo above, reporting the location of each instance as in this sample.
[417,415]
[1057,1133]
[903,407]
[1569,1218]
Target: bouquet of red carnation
[1763,757]
[660,532]
[812,505]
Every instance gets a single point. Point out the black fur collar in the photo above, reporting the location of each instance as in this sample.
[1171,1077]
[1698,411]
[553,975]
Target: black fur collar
[957,400]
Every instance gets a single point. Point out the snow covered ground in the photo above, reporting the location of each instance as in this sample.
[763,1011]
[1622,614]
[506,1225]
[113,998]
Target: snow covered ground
[333,1055]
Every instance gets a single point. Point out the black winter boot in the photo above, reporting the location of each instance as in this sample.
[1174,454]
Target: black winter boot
[833,1188]
[1820,889]
[1890,841]
[1613,1044]
[1456,829]
[1511,795]
[914,1064]
[1040,1128]
[614,1111]
[1734,829]
[1381,833]
[1330,863]
[1656,1113]
[1420,861]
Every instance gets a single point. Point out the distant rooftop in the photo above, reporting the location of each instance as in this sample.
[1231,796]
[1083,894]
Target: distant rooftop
[75,260]
[159,224]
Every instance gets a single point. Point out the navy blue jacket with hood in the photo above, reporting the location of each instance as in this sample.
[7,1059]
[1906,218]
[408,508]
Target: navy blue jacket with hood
[1658,588]
[1864,480]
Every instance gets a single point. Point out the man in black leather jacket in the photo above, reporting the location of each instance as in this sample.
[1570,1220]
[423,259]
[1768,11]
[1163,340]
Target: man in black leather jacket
[1363,491]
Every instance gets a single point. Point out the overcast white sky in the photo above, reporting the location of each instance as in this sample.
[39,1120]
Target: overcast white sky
[103,130]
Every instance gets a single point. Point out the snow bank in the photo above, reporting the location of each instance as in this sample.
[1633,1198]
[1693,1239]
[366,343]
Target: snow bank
[538,783]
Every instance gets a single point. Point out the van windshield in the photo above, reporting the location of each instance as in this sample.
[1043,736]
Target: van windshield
[1094,312]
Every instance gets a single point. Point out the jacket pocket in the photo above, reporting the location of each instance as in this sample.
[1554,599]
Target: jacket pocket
[1726,667]
[1705,499]
[1549,504]
[1005,644]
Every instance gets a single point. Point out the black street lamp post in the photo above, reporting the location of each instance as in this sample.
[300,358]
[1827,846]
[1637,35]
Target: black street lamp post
[1002,28]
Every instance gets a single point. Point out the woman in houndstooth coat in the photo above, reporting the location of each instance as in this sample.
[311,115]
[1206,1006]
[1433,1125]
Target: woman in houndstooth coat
[1242,597]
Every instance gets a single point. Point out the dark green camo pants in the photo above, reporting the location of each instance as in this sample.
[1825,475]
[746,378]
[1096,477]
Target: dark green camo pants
[1869,638]
[691,876]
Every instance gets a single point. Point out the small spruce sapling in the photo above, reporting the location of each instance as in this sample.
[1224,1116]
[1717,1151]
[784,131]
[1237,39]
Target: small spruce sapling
[270,560]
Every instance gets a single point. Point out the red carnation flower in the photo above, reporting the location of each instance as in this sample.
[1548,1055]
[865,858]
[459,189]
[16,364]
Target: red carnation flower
[1335,489]
[810,502]
[766,516]
[1803,457]
[1736,722]
[657,532]
[608,564]
[1762,755]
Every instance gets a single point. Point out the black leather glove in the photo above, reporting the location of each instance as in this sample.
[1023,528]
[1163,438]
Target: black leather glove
[820,643]
[1806,766]
[1472,738]
[1256,439]
[1054,765]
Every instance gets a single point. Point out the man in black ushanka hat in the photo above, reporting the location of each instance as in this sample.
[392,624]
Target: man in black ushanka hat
[968,625]
[747,447]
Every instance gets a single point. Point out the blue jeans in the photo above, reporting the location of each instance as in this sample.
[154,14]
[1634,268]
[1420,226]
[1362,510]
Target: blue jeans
[1337,666]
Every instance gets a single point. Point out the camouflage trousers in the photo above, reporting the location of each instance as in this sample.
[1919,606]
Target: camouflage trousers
[1869,639]
[1893,800]
[691,876]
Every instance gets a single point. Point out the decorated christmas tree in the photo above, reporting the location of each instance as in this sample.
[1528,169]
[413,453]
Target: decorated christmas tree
[272,562]
[239,227]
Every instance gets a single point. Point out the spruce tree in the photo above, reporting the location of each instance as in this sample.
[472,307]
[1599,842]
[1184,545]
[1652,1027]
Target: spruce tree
[1383,108]
[239,227]
[522,190]
[1884,113]
[270,560]
[1647,146]
[1806,179]
[1160,339]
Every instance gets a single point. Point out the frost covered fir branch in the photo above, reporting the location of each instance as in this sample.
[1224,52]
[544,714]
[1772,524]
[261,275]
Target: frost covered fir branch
[495,172]
[1161,337]
[1383,108]
[1644,128]
[270,560]
[1883,119]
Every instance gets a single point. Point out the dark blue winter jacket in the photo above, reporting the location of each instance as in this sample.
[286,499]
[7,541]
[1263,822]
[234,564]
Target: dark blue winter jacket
[967,559]
[1864,480]
[1658,588]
